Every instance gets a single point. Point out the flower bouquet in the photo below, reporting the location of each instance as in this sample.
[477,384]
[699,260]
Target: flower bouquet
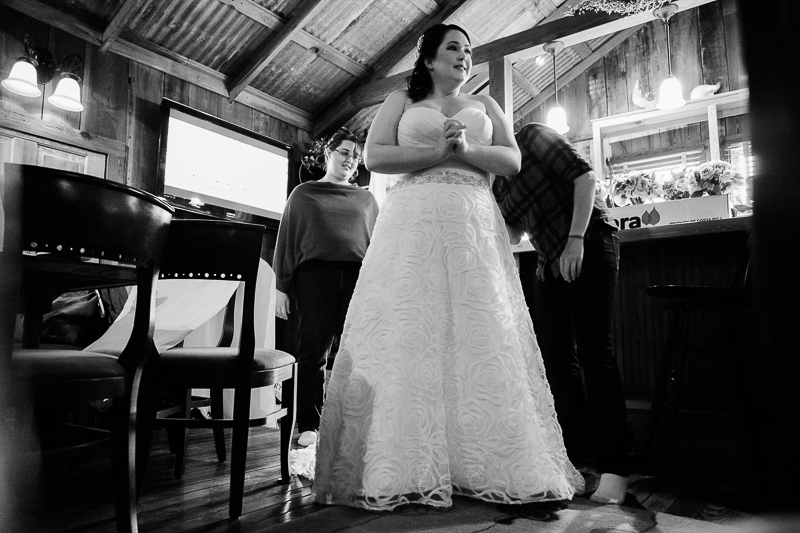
[636,187]
[678,185]
[711,178]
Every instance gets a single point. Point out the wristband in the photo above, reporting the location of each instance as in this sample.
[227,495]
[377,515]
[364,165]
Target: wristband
[576,237]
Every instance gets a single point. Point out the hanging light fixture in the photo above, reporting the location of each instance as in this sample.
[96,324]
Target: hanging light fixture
[670,94]
[39,67]
[556,117]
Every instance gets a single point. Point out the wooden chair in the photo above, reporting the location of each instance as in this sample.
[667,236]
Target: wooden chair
[222,250]
[79,232]
[682,301]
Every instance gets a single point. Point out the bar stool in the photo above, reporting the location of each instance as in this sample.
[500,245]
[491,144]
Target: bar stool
[683,300]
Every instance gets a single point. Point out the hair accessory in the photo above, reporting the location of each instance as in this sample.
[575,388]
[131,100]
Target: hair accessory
[419,47]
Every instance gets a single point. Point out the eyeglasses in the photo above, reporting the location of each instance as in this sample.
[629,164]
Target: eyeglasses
[348,154]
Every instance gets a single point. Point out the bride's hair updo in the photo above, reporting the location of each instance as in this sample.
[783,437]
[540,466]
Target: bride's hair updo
[420,82]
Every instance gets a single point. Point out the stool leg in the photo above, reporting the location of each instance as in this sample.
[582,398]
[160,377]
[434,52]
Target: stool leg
[665,399]
[673,393]
[766,447]
[656,406]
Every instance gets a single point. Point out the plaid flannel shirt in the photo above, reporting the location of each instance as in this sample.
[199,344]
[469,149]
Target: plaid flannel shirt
[539,199]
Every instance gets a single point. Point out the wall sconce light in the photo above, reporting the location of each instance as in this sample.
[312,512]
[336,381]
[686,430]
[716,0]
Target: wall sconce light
[670,94]
[556,117]
[38,66]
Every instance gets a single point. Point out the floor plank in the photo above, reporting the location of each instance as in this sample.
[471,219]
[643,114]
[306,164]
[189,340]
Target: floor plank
[80,500]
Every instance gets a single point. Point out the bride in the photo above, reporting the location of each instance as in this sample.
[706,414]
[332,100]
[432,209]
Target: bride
[439,387]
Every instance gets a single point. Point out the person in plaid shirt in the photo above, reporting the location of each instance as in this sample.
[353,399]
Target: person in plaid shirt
[553,200]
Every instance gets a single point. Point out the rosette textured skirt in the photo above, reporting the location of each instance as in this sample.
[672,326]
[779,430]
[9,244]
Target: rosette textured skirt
[438,387]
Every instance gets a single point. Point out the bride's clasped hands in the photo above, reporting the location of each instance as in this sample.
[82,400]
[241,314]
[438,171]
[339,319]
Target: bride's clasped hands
[453,140]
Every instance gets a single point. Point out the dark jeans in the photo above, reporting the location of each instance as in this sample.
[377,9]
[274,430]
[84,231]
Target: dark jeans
[322,292]
[573,325]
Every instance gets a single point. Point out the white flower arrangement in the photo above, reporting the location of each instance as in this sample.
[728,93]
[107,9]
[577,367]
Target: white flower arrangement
[637,187]
[707,179]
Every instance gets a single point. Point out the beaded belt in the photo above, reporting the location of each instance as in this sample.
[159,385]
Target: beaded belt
[443,176]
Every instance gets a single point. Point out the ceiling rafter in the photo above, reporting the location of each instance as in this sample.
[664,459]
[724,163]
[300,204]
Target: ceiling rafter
[343,110]
[598,54]
[569,30]
[478,82]
[187,70]
[267,18]
[307,10]
[118,23]
[408,43]
[426,6]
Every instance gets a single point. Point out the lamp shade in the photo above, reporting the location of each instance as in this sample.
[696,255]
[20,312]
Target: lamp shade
[670,94]
[557,119]
[68,94]
[22,79]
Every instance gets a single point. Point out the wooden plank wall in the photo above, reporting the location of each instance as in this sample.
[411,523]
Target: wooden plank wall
[122,100]
[706,49]
[641,324]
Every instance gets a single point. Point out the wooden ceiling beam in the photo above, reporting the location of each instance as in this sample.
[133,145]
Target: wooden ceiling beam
[576,70]
[478,82]
[187,70]
[270,20]
[343,109]
[408,43]
[528,43]
[306,11]
[118,23]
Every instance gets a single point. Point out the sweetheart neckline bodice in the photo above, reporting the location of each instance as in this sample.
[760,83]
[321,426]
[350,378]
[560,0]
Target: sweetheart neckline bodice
[481,112]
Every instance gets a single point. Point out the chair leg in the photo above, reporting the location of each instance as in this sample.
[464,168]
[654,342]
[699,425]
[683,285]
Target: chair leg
[289,401]
[123,464]
[181,435]
[145,421]
[219,432]
[241,430]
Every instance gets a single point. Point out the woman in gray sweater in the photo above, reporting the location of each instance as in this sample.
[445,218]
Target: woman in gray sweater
[324,233]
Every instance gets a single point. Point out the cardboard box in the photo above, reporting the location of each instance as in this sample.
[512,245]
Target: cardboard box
[672,212]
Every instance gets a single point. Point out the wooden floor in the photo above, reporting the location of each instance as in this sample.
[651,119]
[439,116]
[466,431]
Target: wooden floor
[79,496]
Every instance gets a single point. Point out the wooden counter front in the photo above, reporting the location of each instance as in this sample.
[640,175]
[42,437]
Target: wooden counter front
[686,230]
[702,253]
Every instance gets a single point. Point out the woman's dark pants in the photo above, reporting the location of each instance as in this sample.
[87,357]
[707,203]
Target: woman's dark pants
[321,295]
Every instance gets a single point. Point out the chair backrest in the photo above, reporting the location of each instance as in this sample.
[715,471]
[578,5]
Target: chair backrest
[218,250]
[97,224]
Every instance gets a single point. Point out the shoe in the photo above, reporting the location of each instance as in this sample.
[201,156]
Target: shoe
[606,501]
[611,490]
[307,438]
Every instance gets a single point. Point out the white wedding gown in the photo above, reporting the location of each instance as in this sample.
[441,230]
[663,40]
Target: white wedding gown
[438,387]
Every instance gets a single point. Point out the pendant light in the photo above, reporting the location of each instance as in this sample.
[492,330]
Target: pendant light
[556,117]
[670,94]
